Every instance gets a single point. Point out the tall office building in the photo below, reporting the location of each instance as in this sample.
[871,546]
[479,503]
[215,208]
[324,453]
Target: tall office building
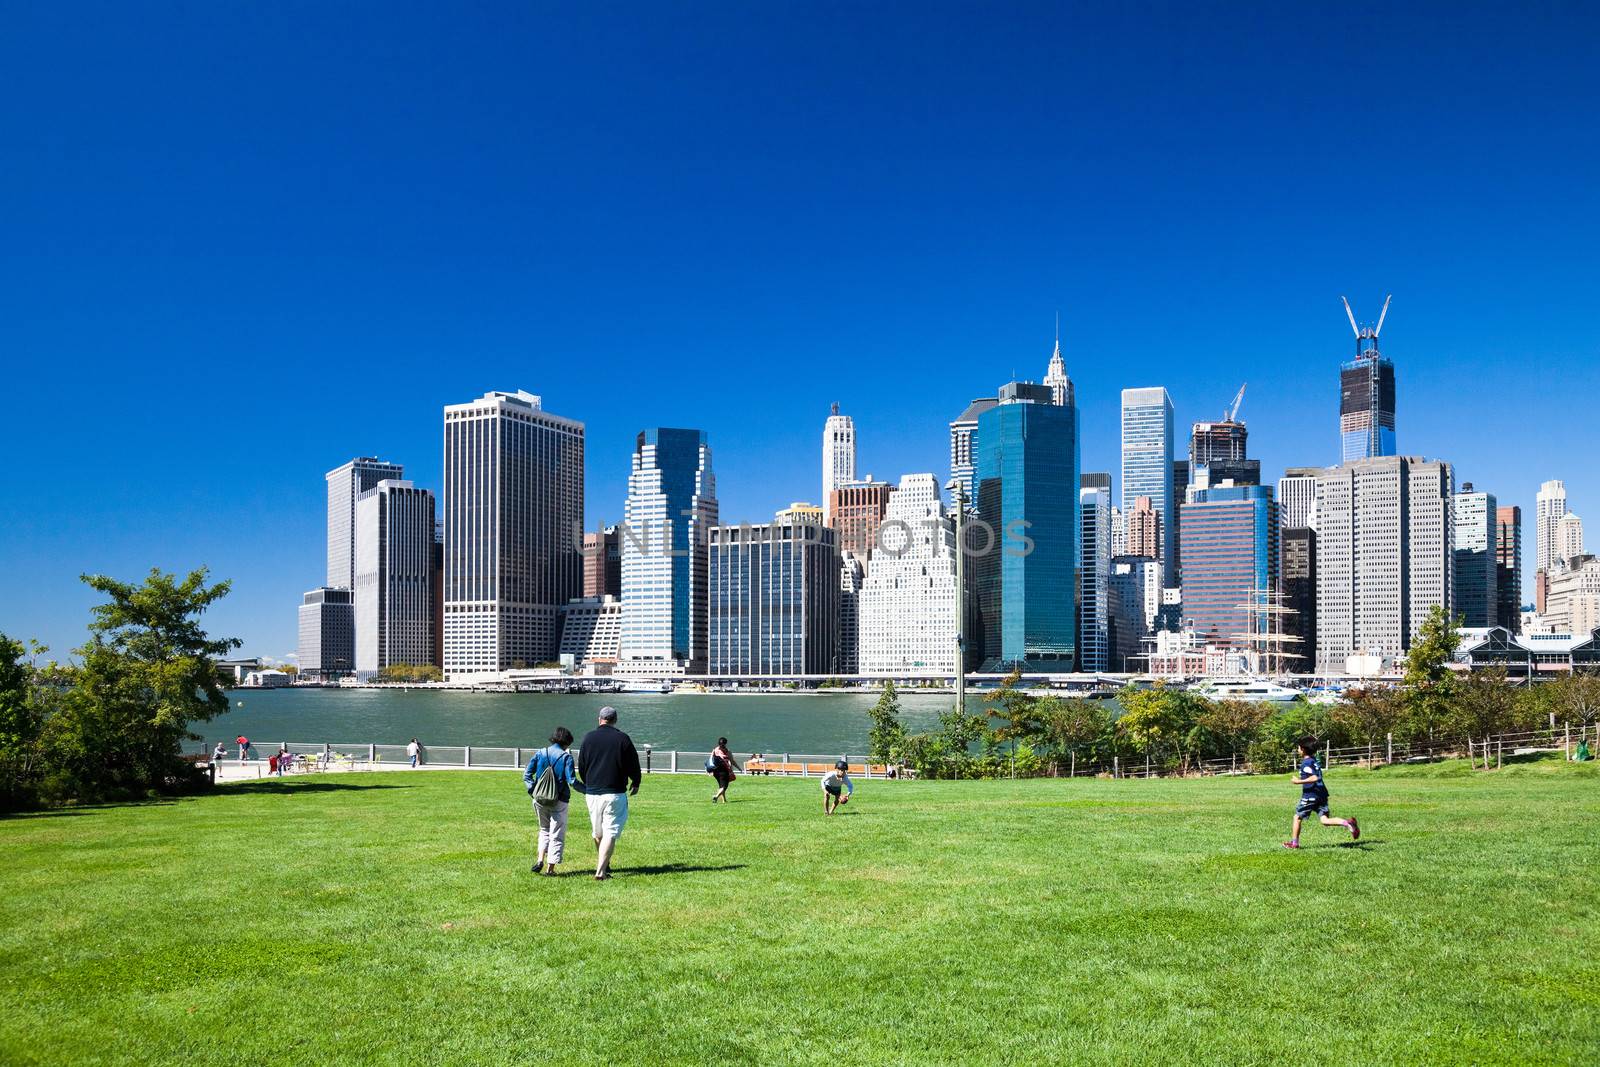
[1056,380]
[1569,540]
[1027,482]
[672,503]
[1142,534]
[1297,577]
[327,646]
[1119,532]
[1550,506]
[1147,458]
[908,601]
[852,575]
[1385,555]
[1094,570]
[1230,568]
[394,577]
[1476,580]
[591,633]
[838,457]
[1508,568]
[602,563]
[513,509]
[1297,498]
[1133,600]
[1572,599]
[345,483]
[436,591]
[1366,395]
[773,593]
[964,447]
[855,511]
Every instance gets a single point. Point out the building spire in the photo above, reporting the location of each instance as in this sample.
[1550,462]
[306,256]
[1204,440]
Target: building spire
[1056,377]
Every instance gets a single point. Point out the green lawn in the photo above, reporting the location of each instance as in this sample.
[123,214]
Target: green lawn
[391,918]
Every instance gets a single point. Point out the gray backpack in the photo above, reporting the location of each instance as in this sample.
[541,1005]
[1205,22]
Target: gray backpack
[547,787]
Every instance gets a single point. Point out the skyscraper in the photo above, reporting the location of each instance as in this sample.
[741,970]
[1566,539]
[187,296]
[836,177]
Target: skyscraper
[394,577]
[602,563]
[1297,498]
[1366,395]
[1055,378]
[345,483]
[1027,483]
[856,510]
[672,503]
[1385,545]
[1147,458]
[838,457]
[1230,561]
[1297,570]
[1569,540]
[513,512]
[1508,568]
[1143,531]
[327,633]
[1133,597]
[773,594]
[964,446]
[1551,504]
[1094,570]
[908,601]
[1476,595]
[852,575]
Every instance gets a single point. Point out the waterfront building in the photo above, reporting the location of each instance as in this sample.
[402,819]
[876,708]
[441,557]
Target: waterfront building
[1133,600]
[838,457]
[1143,534]
[1027,482]
[855,511]
[591,634]
[1094,571]
[1230,553]
[1476,593]
[345,483]
[1550,506]
[774,600]
[1508,567]
[1366,396]
[1572,597]
[513,507]
[602,563]
[1147,459]
[327,647]
[1533,653]
[394,527]
[1297,498]
[908,600]
[964,447]
[1297,577]
[672,503]
[852,574]
[1385,555]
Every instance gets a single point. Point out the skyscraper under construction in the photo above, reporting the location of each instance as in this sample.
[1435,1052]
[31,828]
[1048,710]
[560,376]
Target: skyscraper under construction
[1366,395]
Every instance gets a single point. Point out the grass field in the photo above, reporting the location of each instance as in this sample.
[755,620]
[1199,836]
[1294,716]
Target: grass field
[391,918]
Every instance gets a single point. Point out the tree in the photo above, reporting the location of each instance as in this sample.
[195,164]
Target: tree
[1159,722]
[1228,726]
[1484,704]
[1015,707]
[888,735]
[1576,697]
[23,710]
[1369,715]
[1070,727]
[146,674]
[1429,681]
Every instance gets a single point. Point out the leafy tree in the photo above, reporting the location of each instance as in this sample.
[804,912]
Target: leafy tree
[1575,697]
[1484,704]
[887,736]
[1227,727]
[1370,714]
[1073,728]
[1430,683]
[146,674]
[1015,707]
[24,707]
[1159,722]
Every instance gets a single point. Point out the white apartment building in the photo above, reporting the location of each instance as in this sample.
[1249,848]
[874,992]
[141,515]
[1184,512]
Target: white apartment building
[1385,555]
[838,458]
[1568,541]
[513,521]
[908,602]
[1094,575]
[1572,599]
[345,484]
[1550,506]
[394,576]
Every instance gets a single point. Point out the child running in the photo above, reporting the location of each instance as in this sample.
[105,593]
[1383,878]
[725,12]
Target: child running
[836,787]
[1314,794]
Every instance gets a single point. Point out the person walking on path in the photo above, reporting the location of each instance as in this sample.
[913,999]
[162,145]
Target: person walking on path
[722,767]
[608,766]
[549,779]
[414,750]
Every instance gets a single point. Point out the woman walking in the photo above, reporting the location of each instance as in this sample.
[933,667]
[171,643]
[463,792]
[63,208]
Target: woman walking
[722,769]
[549,778]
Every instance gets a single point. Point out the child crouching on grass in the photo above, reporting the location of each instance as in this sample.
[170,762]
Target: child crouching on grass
[836,787]
[1314,794]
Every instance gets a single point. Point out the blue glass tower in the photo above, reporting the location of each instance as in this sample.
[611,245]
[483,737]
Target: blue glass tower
[672,502]
[1147,464]
[1026,531]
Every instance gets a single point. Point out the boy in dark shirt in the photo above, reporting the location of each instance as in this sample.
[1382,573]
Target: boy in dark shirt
[1314,794]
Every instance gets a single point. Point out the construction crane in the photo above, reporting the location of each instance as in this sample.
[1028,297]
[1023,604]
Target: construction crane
[1371,331]
[1232,412]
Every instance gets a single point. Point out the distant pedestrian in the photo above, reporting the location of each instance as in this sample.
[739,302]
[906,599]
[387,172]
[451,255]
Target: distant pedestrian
[1314,795]
[414,750]
[722,767]
[220,753]
[284,758]
[608,765]
[549,779]
[837,789]
[244,748]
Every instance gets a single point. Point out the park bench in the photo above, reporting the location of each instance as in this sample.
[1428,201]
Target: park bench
[811,769]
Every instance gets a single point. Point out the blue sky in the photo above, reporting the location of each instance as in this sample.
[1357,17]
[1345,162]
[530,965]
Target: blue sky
[238,247]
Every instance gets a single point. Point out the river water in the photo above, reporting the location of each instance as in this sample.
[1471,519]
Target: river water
[811,723]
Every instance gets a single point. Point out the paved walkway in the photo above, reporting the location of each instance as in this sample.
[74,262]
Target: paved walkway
[231,770]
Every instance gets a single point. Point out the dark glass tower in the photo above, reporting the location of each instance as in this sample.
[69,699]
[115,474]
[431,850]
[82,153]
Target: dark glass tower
[1366,396]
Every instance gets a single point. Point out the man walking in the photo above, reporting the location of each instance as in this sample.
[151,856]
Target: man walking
[608,764]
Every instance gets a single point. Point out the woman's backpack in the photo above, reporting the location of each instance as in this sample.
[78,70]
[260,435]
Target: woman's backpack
[547,786]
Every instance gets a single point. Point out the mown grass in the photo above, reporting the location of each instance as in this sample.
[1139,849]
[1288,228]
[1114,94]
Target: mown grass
[391,918]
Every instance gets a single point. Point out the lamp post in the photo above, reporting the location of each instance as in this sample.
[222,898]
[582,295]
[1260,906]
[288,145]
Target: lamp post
[960,497]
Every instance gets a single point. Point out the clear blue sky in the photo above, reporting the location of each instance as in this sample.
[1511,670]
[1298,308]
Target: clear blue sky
[238,247]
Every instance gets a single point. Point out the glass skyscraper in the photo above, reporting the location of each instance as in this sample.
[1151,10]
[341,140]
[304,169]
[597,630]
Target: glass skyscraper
[1230,560]
[773,593]
[1147,462]
[1027,544]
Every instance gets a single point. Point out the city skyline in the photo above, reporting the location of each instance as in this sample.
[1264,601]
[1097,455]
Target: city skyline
[814,211]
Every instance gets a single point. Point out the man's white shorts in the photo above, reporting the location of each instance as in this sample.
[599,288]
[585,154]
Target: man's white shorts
[608,813]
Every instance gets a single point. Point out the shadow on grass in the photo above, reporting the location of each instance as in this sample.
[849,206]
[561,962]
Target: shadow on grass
[253,787]
[293,785]
[676,868]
